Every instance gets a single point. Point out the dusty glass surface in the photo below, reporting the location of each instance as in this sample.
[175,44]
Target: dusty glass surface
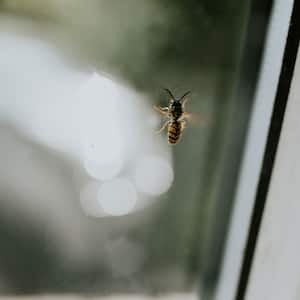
[93,200]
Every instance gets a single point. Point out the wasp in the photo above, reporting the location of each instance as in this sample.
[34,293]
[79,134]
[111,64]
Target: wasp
[176,114]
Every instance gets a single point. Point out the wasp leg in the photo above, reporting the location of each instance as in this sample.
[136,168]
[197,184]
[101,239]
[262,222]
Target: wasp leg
[163,127]
[163,110]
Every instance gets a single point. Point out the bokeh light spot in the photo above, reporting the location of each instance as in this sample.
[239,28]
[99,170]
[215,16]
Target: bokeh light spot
[103,171]
[117,197]
[153,175]
[88,200]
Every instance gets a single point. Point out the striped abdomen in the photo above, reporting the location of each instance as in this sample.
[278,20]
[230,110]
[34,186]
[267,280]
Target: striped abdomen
[174,132]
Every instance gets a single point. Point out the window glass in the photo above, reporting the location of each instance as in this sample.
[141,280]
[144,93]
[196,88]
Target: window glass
[94,201]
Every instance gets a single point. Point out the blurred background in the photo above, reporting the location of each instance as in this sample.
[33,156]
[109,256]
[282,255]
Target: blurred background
[92,200]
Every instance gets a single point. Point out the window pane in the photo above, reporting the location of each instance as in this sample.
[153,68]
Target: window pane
[93,200]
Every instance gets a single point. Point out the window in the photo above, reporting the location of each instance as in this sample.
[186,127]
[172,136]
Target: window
[93,200]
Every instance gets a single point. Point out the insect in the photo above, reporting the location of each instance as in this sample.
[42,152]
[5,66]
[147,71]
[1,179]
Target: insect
[176,117]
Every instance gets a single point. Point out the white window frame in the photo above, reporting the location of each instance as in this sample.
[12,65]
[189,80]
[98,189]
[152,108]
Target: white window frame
[234,258]
[275,271]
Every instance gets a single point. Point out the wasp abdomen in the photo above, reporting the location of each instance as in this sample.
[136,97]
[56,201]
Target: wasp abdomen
[174,132]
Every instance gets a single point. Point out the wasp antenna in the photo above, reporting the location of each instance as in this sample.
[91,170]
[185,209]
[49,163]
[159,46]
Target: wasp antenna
[184,95]
[170,93]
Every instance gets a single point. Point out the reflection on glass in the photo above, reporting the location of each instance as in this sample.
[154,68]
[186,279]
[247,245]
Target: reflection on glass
[93,200]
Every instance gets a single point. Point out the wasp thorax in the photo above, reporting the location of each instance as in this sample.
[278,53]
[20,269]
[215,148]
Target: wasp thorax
[175,105]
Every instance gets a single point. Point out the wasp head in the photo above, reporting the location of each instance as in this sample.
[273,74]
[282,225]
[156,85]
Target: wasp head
[173,100]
